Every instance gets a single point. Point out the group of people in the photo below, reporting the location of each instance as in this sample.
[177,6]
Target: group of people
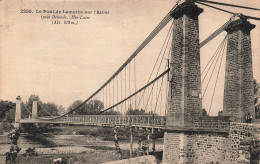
[143,148]
[248,118]
[14,150]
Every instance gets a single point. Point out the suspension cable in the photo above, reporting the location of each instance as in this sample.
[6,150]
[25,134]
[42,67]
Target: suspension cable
[216,8]
[161,102]
[117,92]
[217,78]
[239,15]
[215,55]
[147,85]
[33,114]
[251,17]
[152,98]
[130,81]
[166,40]
[135,81]
[121,93]
[113,92]
[168,35]
[27,110]
[158,95]
[44,109]
[106,96]
[167,93]
[212,72]
[149,95]
[231,5]
[217,32]
[125,90]
[159,68]
[158,28]
[103,97]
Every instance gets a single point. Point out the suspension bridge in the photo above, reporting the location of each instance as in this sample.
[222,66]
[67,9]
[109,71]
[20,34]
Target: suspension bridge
[172,95]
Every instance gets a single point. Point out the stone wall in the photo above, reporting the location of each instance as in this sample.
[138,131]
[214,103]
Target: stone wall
[212,123]
[196,147]
[171,147]
[207,147]
[238,132]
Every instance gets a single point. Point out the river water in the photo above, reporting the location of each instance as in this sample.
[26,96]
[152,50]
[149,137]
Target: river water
[46,141]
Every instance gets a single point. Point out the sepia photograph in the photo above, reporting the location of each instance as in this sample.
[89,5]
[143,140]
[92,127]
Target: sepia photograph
[129,81]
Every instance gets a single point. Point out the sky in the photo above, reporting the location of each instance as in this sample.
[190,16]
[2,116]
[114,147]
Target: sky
[62,63]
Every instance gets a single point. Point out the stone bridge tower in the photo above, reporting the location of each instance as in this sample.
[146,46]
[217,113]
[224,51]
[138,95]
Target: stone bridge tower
[18,112]
[34,108]
[189,137]
[185,80]
[184,99]
[239,89]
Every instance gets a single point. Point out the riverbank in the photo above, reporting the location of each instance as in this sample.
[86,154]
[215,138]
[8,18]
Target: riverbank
[92,157]
[65,144]
[76,155]
[95,146]
[105,133]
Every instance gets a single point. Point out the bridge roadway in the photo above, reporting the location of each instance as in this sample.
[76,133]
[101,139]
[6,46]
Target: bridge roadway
[143,121]
[208,123]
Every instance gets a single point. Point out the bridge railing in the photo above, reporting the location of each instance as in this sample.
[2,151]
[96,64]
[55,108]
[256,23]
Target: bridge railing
[202,123]
[124,120]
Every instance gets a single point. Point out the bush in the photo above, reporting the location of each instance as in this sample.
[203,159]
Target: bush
[6,126]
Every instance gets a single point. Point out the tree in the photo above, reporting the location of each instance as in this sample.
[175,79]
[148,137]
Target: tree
[7,121]
[47,109]
[111,112]
[256,98]
[43,109]
[61,110]
[92,107]
[5,107]
[136,112]
[26,108]
[74,105]
[6,115]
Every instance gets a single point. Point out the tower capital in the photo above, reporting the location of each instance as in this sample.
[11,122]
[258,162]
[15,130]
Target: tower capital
[188,8]
[18,98]
[35,98]
[240,24]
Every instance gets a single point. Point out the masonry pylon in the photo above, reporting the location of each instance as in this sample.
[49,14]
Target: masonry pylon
[17,112]
[34,108]
[239,89]
[184,99]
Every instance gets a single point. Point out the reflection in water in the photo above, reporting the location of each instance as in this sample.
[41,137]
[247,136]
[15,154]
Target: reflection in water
[42,140]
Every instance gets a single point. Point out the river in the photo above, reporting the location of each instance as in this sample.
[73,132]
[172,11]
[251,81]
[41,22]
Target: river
[65,142]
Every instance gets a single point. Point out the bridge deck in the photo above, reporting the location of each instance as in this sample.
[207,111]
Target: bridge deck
[214,124]
[105,120]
